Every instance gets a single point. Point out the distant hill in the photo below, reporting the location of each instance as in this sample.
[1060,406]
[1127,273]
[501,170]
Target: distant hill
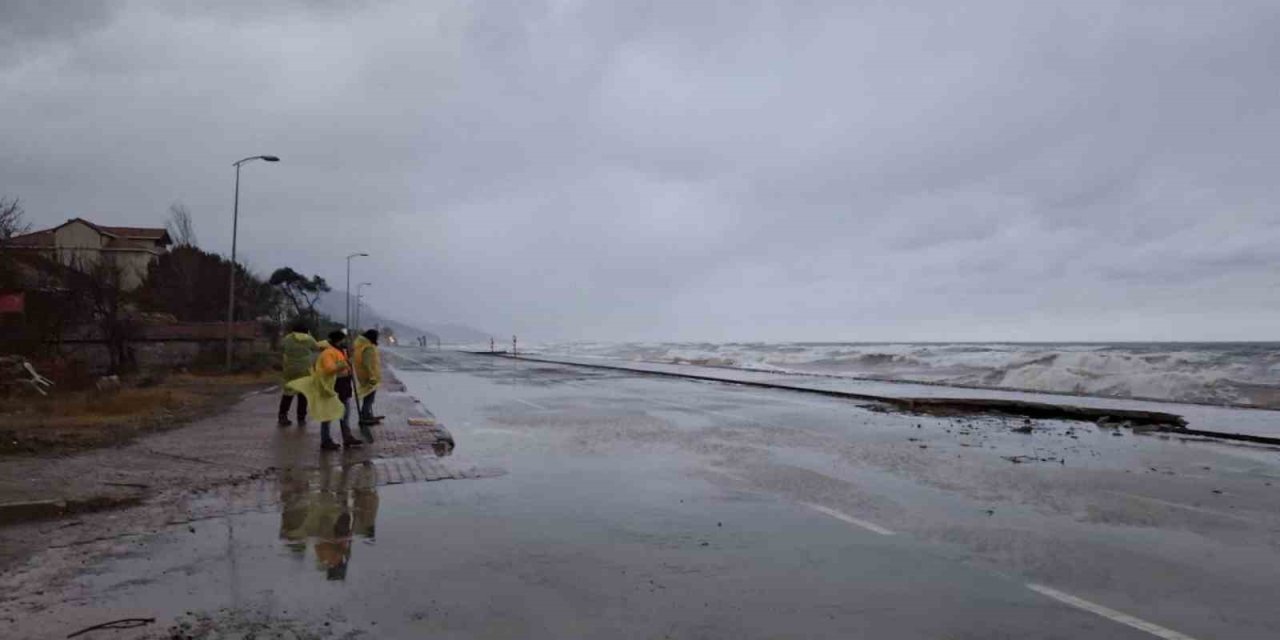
[333,304]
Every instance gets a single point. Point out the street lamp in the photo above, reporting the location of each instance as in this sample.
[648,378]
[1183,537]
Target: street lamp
[359,298]
[354,255]
[235,223]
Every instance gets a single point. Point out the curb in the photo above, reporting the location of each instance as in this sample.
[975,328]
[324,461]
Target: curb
[12,513]
[15,512]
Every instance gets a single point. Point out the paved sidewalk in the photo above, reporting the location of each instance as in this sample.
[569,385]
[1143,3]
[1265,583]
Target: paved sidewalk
[167,478]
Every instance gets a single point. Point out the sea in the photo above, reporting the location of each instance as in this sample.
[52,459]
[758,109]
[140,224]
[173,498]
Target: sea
[1239,374]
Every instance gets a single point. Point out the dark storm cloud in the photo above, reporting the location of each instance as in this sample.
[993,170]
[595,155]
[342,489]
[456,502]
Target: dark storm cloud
[717,170]
[27,25]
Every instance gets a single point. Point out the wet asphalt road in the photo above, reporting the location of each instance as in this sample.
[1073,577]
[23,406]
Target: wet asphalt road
[639,507]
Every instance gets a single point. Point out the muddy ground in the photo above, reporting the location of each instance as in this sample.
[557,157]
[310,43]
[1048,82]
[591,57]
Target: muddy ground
[71,421]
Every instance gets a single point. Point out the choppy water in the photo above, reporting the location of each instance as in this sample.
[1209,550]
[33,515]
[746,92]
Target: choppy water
[1245,374]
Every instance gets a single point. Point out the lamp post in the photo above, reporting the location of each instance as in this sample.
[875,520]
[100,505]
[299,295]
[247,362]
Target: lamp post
[359,298]
[354,255]
[235,224]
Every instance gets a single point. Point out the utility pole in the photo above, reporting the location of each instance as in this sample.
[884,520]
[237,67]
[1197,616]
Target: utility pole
[354,255]
[359,302]
[235,224]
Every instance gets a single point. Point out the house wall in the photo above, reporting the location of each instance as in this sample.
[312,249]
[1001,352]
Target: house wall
[134,265]
[79,245]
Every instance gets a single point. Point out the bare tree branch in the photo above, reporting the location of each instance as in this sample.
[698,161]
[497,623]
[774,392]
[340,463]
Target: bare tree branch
[301,292]
[180,226]
[96,286]
[11,218]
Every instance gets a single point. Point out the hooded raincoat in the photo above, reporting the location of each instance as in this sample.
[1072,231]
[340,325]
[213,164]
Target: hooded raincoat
[368,367]
[319,386]
[298,348]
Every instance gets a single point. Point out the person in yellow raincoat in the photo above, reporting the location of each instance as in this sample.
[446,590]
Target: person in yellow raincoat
[368,376]
[326,392]
[295,505]
[298,349]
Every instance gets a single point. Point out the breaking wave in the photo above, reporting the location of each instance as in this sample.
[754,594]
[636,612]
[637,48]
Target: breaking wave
[1244,374]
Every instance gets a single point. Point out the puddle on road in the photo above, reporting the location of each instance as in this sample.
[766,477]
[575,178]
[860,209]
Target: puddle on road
[329,515]
[346,558]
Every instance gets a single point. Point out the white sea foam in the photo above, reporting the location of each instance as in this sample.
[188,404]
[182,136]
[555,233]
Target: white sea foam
[1239,373]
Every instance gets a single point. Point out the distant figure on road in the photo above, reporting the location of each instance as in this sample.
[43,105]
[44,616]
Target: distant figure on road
[328,389]
[368,378]
[298,348]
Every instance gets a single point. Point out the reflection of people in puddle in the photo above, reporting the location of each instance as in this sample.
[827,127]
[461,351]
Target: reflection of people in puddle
[294,503]
[333,548]
[330,515]
[365,502]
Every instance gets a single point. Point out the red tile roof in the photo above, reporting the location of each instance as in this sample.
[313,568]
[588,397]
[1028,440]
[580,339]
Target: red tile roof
[123,237]
[139,233]
[39,239]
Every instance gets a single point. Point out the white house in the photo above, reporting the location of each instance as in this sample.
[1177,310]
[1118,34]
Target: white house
[79,243]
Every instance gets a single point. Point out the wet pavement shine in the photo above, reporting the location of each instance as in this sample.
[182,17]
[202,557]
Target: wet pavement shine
[590,504]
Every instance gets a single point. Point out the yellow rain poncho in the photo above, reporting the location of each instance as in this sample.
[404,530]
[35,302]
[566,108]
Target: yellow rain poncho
[298,349]
[368,367]
[318,387]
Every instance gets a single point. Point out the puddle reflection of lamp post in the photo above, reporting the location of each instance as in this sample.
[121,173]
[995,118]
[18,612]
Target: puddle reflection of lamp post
[235,223]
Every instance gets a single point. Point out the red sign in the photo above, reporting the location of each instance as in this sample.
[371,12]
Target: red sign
[12,302]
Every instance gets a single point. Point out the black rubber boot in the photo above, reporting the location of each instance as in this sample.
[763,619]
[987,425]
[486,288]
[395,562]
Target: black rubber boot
[282,416]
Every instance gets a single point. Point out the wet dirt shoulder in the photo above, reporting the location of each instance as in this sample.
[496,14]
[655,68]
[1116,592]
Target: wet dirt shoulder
[73,422]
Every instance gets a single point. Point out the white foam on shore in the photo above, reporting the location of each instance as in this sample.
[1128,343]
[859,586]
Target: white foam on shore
[1234,374]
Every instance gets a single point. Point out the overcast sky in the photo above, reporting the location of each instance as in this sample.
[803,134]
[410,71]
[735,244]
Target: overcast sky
[688,169]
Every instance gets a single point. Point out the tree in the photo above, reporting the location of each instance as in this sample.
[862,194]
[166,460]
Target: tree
[301,292]
[191,284]
[12,222]
[180,226]
[97,294]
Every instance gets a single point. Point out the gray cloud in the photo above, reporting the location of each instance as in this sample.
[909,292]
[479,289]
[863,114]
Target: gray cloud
[710,170]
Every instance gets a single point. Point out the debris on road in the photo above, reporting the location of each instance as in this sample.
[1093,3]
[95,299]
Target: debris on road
[1025,458]
[123,623]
